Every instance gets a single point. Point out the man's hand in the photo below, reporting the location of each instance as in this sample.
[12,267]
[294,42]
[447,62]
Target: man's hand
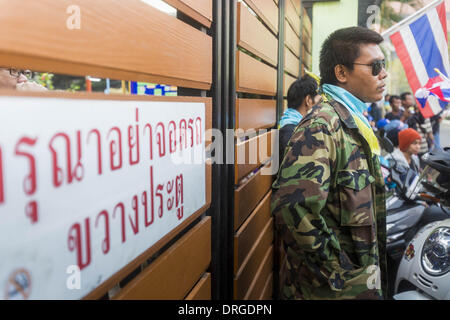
[30,86]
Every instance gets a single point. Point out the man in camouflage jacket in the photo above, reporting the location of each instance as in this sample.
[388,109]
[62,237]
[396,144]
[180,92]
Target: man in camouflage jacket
[328,200]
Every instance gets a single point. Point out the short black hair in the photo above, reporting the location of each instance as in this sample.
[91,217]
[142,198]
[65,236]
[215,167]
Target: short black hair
[343,47]
[404,94]
[392,98]
[300,89]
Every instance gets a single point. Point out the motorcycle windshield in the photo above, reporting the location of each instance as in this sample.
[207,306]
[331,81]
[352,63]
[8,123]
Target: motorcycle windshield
[431,180]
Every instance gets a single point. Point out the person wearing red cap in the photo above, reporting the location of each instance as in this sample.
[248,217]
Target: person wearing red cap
[408,149]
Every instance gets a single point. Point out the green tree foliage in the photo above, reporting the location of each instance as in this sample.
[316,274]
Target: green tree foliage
[389,16]
[44,79]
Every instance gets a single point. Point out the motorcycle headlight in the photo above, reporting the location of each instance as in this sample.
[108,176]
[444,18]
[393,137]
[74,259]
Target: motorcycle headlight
[436,252]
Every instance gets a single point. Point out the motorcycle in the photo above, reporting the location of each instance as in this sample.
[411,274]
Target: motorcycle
[424,270]
[407,211]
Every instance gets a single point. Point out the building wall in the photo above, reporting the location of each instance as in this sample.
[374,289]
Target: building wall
[363,15]
[325,22]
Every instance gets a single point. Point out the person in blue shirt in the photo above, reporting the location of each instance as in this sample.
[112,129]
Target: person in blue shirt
[302,96]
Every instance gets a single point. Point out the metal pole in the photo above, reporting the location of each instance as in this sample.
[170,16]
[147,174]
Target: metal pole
[229,168]
[215,212]
[108,86]
[302,18]
[280,100]
[280,71]
[225,172]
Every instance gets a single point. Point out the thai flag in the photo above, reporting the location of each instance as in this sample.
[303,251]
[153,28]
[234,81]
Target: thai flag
[421,46]
[438,87]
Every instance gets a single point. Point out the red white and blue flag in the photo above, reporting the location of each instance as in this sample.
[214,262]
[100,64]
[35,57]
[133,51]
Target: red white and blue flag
[422,47]
[438,87]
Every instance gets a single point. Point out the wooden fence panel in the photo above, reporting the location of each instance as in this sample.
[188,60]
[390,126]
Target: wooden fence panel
[176,271]
[247,196]
[264,271]
[307,22]
[200,10]
[255,113]
[268,289]
[268,12]
[202,290]
[306,58]
[291,63]
[253,76]
[297,5]
[292,17]
[247,234]
[253,36]
[306,40]
[288,80]
[112,42]
[292,40]
[246,274]
[256,150]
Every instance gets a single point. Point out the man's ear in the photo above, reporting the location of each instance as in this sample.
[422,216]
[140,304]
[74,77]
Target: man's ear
[309,101]
[341,73]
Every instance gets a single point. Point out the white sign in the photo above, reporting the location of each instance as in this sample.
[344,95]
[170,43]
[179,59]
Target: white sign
[89,185]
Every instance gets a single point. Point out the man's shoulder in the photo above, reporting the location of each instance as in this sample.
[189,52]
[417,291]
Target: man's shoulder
[323,114]
[288,128]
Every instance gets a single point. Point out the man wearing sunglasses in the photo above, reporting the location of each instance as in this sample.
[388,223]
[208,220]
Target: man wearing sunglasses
[18,80]
[10,78]
[328,200]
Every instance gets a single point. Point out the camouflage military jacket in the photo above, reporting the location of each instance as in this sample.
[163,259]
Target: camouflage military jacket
[329,208]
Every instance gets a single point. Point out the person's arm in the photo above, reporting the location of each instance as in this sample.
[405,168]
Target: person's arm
[429,130]
[303,185]
[30,86]
[406,114]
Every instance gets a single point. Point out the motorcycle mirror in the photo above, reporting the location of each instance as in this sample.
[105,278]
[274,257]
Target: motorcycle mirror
[387,145]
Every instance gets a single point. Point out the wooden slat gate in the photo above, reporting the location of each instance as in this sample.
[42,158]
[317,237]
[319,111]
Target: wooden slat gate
[237,59]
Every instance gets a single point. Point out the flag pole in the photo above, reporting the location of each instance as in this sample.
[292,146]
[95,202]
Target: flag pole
[441,74]
[385,34]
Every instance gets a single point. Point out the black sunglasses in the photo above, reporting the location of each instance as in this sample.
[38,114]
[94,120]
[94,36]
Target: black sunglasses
[377,66]
[16,73]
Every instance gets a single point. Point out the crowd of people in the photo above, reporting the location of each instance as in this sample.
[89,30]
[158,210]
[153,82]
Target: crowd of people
[398,118]
[328,196]
[329,199]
